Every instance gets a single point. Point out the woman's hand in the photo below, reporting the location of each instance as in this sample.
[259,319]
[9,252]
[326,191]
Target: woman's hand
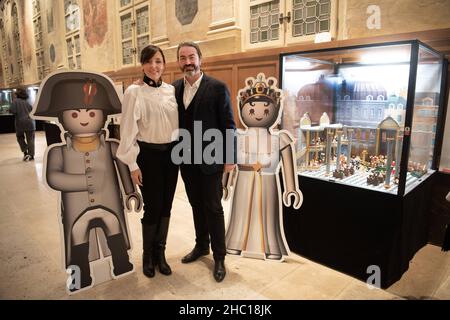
[136,176]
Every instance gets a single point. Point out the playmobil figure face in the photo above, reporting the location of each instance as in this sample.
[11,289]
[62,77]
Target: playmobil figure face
[259,111]
[259,102]
[83,122]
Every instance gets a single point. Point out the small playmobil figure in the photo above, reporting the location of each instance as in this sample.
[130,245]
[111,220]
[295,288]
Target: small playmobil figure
[355,163]
[84,168]
[376,176]
[347,171]
[255,228]
[338,174]
[416,169]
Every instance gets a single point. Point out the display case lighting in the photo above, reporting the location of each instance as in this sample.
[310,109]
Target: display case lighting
[385,58]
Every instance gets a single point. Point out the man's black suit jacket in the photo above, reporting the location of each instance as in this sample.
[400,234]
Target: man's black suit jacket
[212,106]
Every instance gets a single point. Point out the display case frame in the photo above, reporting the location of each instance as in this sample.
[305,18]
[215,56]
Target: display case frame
[357,230]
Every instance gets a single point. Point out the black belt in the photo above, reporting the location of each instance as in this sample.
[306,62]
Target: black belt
[156,146]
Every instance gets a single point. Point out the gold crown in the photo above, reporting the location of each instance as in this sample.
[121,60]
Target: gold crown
[258,88]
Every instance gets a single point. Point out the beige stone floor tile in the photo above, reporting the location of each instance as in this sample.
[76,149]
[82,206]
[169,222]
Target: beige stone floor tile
[426,272]
[181,195]
[38,279]
[17,250]
[308,281]
[111,290]
[48,239]
[156,288]
[31,265]
[180,190]
[259,274]
[358,290]
[443,292]
[195,281]
[7,213]
[446,256]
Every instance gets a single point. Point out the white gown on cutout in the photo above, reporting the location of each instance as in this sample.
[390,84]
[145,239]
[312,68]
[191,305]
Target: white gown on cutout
[255,227]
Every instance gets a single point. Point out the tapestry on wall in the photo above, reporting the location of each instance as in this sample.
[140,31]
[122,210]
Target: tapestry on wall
[95,21]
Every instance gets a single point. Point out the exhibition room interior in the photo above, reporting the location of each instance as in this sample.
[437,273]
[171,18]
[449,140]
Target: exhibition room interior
[359,199]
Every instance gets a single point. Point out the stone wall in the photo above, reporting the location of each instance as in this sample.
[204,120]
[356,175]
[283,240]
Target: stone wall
[218,25]
[399,16]
[53,31]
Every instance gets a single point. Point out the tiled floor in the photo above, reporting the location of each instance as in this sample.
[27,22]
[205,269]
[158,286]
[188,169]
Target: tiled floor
[31,266]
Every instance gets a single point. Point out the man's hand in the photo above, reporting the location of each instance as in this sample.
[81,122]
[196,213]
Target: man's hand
[136,176]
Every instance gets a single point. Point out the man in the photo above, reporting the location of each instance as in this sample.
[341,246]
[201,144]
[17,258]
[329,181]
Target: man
[204,101]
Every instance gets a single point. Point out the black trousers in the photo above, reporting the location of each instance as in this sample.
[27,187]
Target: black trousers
[205,193]
[28,146]
[159,176]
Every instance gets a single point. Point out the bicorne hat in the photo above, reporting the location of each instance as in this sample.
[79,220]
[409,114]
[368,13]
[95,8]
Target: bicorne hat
[67,90]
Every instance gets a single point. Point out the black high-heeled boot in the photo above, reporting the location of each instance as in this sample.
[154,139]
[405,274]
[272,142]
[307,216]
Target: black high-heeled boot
[148,240]
[160,247]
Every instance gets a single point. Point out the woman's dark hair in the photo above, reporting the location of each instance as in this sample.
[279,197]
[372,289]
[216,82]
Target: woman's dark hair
[21,93]
[189,44]
[149,51]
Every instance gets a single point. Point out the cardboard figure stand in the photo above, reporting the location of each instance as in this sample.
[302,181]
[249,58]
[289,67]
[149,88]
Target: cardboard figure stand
[255,227]
[90,179]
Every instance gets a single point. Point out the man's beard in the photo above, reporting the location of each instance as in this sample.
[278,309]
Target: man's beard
[190,73]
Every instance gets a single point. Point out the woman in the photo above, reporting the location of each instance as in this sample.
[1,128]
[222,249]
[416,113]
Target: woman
[25,126]
[149,121]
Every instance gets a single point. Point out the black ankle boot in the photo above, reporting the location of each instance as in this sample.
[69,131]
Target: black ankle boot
[119,254]
[148,266]
[219,269]
[80,257]
[148,239]
[160,247]
[160,261]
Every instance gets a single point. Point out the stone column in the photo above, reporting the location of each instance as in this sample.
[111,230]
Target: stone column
[159,23]
[224,35]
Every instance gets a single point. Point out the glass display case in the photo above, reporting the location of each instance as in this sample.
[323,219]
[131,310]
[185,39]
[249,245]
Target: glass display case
[6,117]
[365,116]
[367,122]
[5,100]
